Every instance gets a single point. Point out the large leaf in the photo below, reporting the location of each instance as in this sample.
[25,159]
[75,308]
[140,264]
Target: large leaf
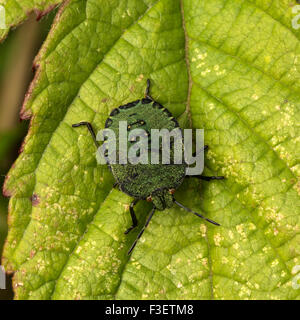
[234,67]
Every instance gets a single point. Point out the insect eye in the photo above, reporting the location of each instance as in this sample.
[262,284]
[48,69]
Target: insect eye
[149,199]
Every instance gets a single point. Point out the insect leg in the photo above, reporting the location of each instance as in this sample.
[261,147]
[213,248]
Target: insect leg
[203,149]
[90,128]
[142,231]
[133,216]
[196,213]
[207,178]
[115,184]
[147,92]
[210,178]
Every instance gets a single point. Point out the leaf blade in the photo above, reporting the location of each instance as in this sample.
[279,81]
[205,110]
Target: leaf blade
[203,56]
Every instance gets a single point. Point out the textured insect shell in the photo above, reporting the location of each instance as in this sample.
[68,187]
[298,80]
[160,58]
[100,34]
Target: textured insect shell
[142,180]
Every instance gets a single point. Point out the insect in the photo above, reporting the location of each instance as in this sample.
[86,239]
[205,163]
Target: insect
[155,183]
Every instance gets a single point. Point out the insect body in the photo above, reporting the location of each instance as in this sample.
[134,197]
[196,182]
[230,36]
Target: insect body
[152,182]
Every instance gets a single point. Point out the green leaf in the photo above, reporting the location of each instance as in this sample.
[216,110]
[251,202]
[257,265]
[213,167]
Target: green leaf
[3,218]
[17,11]
[234,67]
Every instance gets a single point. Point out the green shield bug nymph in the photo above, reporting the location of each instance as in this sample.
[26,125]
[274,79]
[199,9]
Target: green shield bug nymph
[152,182]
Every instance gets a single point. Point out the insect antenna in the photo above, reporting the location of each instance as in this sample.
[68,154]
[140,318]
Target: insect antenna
[142,231]
[147,92]
[90,128]
[196,213]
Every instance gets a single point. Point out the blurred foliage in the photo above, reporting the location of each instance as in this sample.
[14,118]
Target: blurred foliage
[5,53]
[9,144]
[10,140]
